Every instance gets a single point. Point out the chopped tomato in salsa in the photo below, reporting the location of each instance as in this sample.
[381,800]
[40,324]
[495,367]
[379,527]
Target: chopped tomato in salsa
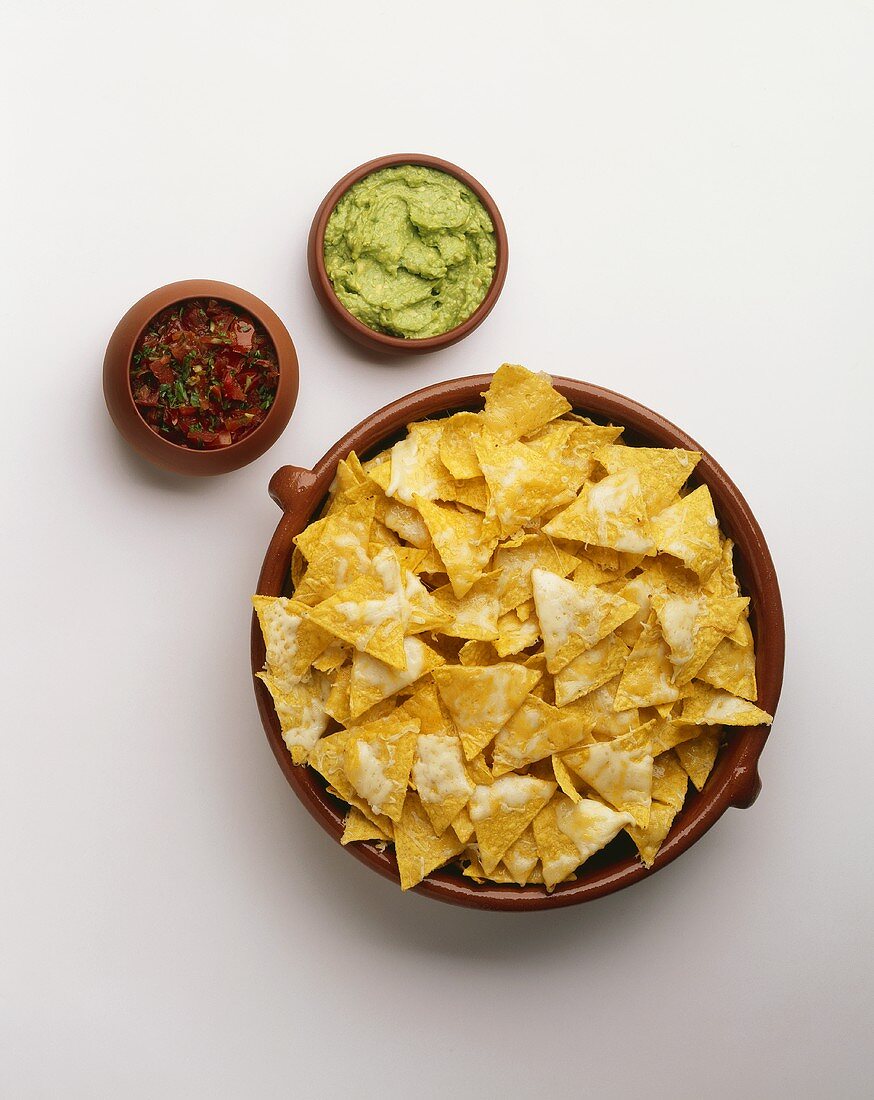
[204,374]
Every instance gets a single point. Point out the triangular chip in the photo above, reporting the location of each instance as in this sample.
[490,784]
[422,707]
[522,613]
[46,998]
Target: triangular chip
[732,666]
[650,839]
[301,713]
[591,669]
[514,564]
[647,679]
[460,433]
[662,471]
[377,761]
[521,857]
[620,771]
[707,706]
[565,779]
[514,635]
[328,758]
[441,778]
[481,700]
[418,848]
[291,641]
[522,482]
[366,616]
[698,757]
[416,469]
[536,730]
[474,615]
[669,780]
[519,402]
[568,833]
[574,619]
[693,626]
[463,539]
[611,512]
[689,530]
[373,680]
[462,826]
[357,828]
[501,812]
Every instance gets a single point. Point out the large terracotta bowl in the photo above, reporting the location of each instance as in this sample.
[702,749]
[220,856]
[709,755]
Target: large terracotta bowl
[125,415]
[734,780]
[337,312]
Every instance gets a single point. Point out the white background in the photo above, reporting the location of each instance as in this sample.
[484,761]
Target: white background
[688,192]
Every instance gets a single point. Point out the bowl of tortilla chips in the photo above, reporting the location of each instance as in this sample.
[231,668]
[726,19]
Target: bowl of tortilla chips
[517,641]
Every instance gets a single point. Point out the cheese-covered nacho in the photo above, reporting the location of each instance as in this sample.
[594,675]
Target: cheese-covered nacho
[510,637]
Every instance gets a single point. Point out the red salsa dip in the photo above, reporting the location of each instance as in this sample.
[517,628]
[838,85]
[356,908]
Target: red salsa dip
[203,374]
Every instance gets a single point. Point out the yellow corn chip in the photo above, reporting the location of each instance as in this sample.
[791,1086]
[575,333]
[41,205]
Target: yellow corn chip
[502,811]
[327,758]
[404,521]
[574,619]
[662,472]
[473,493]
[424,704]
[594,667]
[474,615]
[620,771]
[518,403]
[698,757]
[669,780]
[689,530]
[441,778]
[650,839]
[462,826]
[333,658]
[647,678]
[514,564]
[521,857]
[377,760]
[481,700]
[707,706]
[343,535]
[292,642]
[464,540]
[474,870]
[536,730]
[479,771]
[514,635]
[522,483]
[416,469]
[732,666]
[693,626]
[611,512]
[357,827]
[669,732]
[457,440]
[565,779]
[478,653]
[366,616]
[418,848]
[373,680]
[568,833]
[301,713]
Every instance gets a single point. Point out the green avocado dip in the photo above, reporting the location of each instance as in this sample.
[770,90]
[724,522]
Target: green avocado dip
[410,251]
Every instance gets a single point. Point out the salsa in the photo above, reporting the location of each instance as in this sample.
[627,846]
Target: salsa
[204,374]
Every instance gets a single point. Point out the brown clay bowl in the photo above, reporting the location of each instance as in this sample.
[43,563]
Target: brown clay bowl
[337,312]
[120,402]
[734,780]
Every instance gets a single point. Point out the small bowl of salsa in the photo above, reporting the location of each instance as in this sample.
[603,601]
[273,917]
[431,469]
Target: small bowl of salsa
[200,377]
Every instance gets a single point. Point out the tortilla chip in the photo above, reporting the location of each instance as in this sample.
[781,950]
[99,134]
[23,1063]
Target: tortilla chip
[574,619]
[521,857]
[359,828]
[478,653]
[460,433]
[565,779]
[698,757]
[732,666]
[536,730]
[462,826]
[514,635]
[611,513]
[416,469]
[418,848]
[441,778]
[474,615]
[377,760]
[464,540]
[480,700]
[689,530]
[522,483]
[568,833]
[693,626]
[669,780]
[650,839]
[708,706]
[514,564]
[327,758]
[366,616]
[594,667]
[373,680]
[519,402]
[662,471]
[502,811]
[301,713]
[620,771]
[669,732]
[334,657]
[406,522]
[473,493]
[291,641]
[343,535]
[647,679]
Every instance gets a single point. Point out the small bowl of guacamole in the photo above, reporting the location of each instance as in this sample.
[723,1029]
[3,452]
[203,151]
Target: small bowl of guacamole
[407,253]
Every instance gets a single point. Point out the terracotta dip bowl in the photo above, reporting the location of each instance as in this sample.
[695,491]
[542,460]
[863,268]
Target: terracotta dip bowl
[172,456]
[337,312]
[734,780]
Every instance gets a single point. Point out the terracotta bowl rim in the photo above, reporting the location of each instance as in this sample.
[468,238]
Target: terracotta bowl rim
[176,456]
[324,289]
[734,780]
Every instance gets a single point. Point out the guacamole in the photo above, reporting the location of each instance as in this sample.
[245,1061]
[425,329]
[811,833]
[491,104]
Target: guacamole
[410,251]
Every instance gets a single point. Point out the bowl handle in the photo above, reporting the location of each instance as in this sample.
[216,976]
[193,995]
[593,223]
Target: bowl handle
[290,485]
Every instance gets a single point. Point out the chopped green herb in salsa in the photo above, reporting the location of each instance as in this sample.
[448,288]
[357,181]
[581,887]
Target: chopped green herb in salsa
[204,374]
